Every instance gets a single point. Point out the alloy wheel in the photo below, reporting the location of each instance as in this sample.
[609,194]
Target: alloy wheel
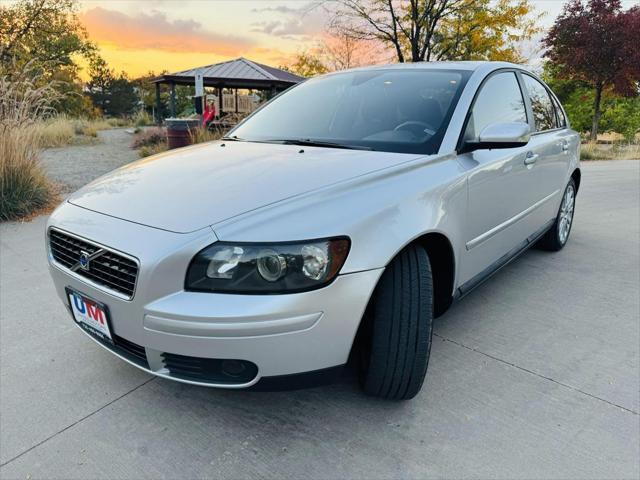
[566,214]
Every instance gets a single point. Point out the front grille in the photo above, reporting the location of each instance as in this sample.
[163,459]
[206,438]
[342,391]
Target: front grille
[108,269]
[212,370]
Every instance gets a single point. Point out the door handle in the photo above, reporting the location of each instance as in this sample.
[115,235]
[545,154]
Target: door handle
[531,158]
[565,145]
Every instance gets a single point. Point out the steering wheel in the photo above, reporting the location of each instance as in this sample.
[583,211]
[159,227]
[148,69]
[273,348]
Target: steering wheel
[416,127]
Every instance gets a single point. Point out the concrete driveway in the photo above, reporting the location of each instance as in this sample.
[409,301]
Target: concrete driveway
[534,375]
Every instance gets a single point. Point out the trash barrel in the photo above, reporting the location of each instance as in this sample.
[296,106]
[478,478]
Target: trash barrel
[178,131]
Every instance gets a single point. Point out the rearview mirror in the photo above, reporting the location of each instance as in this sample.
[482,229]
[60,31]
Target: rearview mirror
[501,135]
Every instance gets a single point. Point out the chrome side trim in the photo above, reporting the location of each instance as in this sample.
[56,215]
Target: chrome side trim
[498,228]
[501,262]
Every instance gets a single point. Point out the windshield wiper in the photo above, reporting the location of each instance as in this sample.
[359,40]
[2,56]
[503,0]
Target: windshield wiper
[307,142]
[233,138]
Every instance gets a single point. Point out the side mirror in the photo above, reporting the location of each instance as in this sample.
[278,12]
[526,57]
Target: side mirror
[501,135]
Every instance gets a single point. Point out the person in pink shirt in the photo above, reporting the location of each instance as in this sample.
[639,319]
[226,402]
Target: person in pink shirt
[209,113]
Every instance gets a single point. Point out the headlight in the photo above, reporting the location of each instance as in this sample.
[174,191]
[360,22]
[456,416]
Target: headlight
[268,267]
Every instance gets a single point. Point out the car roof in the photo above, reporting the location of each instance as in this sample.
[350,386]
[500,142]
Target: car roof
[472,66]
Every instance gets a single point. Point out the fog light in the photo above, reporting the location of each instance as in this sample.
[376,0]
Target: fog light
[233,368]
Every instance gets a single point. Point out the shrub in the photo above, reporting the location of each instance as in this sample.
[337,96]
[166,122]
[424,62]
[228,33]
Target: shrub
[24,188]
[615,151]
[142,119]
[61,130]
[149,137]
[90,128]
[588,151]
[200,135]
[148,150]
[55,132]
[118,122]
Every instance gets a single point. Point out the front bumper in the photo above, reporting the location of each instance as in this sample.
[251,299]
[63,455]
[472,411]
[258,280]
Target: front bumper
[280,334]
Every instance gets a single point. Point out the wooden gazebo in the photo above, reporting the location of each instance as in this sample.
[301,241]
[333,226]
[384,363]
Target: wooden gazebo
[235,74]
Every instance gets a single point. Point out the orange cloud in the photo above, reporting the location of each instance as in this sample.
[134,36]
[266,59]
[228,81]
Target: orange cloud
[155,31]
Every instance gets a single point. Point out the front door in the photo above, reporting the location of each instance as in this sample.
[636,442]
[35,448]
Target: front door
[501,190]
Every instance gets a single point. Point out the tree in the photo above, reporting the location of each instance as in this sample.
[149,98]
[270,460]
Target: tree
[46,36]
[121,96]
[147,93]
[596,43]
[101,77]
[44,32]
[343,51]
[484,31]
[338,52]
[72,99]
[307,63]
[114,94]
[619,114]
[424,30]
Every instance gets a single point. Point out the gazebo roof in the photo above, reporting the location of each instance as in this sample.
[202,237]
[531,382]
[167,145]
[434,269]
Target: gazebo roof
[238,73]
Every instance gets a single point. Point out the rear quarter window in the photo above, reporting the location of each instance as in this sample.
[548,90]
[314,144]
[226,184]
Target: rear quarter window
[544,111]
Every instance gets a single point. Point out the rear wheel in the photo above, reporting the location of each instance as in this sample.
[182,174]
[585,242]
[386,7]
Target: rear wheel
[556,238]
[396,340]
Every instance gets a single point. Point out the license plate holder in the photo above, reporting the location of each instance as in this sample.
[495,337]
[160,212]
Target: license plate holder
[90,315]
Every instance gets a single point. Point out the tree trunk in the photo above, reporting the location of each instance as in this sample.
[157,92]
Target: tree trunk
[596,112]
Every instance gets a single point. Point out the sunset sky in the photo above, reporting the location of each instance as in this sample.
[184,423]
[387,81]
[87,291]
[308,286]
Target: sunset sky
[142,35]
[138,36]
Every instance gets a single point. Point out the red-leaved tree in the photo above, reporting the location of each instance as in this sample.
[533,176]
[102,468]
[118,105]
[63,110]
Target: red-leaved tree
[597,43]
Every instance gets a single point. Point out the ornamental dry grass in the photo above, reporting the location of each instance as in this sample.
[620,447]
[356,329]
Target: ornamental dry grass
[24,188]
[615,151]
[60,130]
[201,135]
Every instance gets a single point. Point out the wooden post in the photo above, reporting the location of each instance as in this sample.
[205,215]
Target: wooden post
[236,100]
[172,103]
[158,105]
[220,102]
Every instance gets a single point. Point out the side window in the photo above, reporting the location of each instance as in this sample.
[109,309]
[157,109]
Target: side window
[500,100]
[562,120]
[544,113]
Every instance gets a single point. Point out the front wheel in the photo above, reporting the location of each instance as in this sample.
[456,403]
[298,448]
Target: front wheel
[397,332]
[556,238]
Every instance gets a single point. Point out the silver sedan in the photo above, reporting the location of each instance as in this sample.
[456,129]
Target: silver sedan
[335,222]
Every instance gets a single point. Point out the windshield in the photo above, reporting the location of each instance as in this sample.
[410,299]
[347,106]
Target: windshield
[399,110]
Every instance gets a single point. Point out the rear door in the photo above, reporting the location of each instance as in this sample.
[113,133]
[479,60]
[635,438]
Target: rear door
[548,150]
[500,187]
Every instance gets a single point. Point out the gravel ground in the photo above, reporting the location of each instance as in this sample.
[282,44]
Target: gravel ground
[75,166]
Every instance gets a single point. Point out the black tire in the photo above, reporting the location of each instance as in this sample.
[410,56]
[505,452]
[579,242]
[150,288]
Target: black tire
[553,240]
[396,341]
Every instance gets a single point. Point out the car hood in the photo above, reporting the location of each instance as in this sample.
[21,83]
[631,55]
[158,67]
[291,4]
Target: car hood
[188,189]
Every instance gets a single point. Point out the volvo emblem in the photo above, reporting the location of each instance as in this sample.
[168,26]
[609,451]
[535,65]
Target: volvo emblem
[84,260]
